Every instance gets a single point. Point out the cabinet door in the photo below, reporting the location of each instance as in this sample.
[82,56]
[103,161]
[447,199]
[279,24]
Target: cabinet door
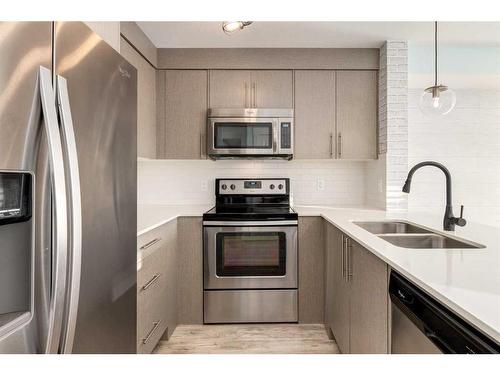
[311,263]
[184,126]
[272,89]
[357,114]
[329,270]
[369,304]
[189,271]
[314,114]
[146,101]
[230,88]
[340,293]
[171,277]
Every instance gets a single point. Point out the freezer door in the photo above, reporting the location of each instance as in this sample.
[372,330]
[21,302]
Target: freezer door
[25,247]
[102,90]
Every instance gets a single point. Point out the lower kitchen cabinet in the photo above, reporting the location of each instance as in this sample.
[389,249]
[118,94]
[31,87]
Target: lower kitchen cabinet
[356,297]
[156,286]
[190,271]
[311,259]
[337,296]
[369,302]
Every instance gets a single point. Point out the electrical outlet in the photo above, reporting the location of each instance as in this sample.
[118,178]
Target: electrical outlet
[380,186]
[204,185]
[320,184]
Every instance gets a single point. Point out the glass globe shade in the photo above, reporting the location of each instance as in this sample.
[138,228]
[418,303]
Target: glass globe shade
[437,101]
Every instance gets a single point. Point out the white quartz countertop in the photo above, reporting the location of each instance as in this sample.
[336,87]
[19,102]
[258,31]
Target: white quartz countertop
[151,216]
[465,280]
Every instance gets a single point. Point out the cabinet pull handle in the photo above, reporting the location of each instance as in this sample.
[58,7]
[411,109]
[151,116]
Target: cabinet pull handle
[254,95]
[150,334]
[344,258]
[349,262]
[151,282]
[331,145]
[202,146]
[150,243]
[340,144]
[246,95]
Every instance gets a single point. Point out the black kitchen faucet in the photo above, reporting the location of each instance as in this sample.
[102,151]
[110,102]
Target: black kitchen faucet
[449,220]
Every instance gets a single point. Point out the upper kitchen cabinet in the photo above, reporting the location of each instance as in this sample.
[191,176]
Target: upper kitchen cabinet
[335,114]
[272,88]
[314,114]
[251,89]
[230,88]
[356,114]
[182,118]
[146,101]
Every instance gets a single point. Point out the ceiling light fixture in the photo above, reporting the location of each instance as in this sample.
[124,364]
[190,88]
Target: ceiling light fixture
[230,27]
[438,99]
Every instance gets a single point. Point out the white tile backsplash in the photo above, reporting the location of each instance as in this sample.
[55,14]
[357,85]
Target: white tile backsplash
[193,181]
[467,142]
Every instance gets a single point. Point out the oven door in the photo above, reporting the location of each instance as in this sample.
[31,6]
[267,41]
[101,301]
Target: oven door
[242,136]
[263,257]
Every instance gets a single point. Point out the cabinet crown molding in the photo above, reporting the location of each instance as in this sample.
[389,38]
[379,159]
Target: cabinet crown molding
[268,58]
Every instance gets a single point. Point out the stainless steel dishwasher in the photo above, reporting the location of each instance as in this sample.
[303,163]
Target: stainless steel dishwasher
[422,325]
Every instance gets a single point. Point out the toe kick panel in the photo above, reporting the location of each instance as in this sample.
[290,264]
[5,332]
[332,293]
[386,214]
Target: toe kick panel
[250,306]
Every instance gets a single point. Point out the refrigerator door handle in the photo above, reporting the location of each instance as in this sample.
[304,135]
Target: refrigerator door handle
[74,211]
[60,218]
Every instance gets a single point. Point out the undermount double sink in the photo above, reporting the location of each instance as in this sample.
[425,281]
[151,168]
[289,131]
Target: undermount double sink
[412,236]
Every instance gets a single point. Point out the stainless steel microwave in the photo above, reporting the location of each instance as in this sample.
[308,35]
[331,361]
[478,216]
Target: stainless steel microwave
[250,133]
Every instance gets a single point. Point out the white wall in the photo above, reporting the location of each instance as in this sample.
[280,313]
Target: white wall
[193,182]
[467,140]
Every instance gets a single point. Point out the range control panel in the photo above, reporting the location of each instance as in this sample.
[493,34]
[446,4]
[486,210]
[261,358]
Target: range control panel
[272,186]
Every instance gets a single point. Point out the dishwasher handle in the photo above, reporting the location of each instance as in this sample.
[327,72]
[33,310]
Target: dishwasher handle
[438,341]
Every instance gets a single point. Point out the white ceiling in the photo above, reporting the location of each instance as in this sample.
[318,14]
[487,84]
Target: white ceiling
[317,34]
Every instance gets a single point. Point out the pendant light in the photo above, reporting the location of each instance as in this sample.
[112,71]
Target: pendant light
[437,100]
[230,27]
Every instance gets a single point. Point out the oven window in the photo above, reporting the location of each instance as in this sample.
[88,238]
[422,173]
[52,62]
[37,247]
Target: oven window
[251,254]
[243,135]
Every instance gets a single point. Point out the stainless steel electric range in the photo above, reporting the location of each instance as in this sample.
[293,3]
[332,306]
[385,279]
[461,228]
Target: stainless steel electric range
[250,253]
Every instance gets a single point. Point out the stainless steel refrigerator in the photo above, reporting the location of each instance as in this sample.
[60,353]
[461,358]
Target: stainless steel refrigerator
[68,172]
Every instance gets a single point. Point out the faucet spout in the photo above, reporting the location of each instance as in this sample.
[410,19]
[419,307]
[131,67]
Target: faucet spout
[449,220]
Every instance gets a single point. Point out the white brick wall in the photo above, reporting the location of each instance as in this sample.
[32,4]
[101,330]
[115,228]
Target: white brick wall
[393,121]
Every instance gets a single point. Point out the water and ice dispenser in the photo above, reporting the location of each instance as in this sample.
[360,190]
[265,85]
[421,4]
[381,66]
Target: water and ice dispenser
[16,246]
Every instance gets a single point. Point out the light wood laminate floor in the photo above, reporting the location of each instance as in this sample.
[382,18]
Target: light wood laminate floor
[248,339]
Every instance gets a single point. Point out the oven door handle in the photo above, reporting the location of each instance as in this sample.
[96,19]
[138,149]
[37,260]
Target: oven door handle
[250,223]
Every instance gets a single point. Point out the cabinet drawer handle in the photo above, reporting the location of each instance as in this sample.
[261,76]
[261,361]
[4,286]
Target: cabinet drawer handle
[155,327]
[340,144]
[150,243]
[151,282]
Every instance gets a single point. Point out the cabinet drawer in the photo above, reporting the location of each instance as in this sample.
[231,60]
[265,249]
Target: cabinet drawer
[150,270]
[150,335]
[151,241]
[151,301]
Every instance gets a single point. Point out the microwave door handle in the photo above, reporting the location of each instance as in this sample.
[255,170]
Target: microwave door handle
[276,130]
[74,211]
[60,218]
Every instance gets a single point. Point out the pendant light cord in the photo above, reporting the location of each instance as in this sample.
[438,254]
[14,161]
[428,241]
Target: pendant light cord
[435,53]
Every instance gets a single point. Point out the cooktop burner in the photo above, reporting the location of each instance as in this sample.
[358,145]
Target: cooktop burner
[251,213]
[251,199]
